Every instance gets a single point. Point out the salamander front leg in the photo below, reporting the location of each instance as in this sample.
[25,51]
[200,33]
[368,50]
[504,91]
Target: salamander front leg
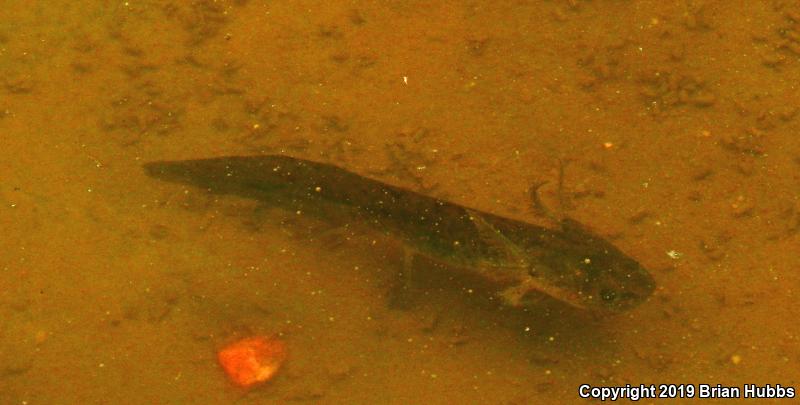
[518,295]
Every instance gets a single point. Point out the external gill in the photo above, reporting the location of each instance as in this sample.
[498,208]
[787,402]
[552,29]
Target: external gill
[517,268]
[514,262]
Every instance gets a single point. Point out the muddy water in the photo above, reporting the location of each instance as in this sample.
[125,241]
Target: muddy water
[678,121]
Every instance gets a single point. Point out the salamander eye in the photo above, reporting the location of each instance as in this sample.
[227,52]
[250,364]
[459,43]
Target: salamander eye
[608,295]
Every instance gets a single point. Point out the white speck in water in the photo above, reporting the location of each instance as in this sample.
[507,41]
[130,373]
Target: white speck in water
[673,254]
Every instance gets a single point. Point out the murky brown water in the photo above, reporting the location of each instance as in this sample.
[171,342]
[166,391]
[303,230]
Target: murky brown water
[678,120]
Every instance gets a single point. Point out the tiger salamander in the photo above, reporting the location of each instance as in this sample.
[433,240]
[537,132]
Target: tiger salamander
[570,264]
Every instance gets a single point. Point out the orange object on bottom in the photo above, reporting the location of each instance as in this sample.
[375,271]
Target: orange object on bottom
[252,360]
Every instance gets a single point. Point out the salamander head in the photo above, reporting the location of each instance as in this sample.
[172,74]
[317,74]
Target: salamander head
[612,281]
[592,273]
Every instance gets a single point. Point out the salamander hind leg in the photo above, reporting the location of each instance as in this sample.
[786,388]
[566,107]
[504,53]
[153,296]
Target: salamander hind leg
[399,295]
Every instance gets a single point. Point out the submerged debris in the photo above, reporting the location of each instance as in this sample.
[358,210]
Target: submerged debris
[252,360]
